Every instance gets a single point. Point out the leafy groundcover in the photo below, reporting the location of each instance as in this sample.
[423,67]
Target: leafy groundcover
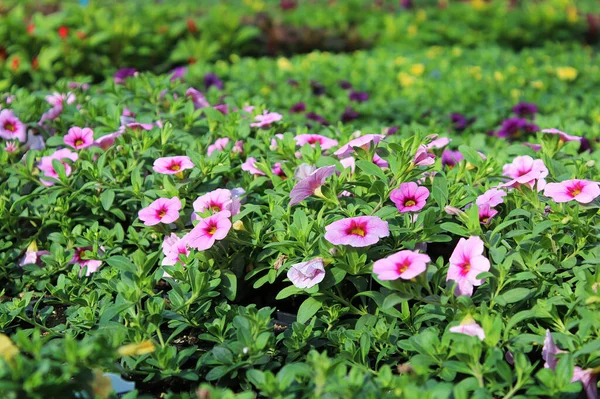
[399,222]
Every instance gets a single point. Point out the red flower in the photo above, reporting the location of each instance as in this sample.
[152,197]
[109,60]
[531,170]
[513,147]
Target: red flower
[63,32]
[191,25]
[35,63]
[30,29]
[16,62]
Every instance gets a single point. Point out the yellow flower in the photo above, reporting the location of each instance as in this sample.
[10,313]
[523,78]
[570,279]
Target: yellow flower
[400,60]
[284,64]
[405,79]
[572,16]
[498,76]
[566,73]
[101,386]
[538,84]
[142,348]
[417,69]
[412,30]
[478,4]
[8,350]
[421,15]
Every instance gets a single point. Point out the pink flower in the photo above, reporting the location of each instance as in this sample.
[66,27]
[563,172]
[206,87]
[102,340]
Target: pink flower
[525,170]
[307,274]
[382,163]
[238,147]
[410,197]
[172,165]
[303,171]
[404,264]
[308,186]
[349,162]
[92,264]
[172,247]
[79,138]
[486,213]
[197,98]
[11,128]
[11,146]
[56,100]
[209,230]
[534,147]
[360,231]
[563,136]
[217,201]
[47,167]
[422,157]
[135,126]
[325,142]
[266,119]
[491,197]
[219,145]
[473,329]
[466,263]
[587,377]
[33,257]
[105,142]
[248,166]
[163,210]
[274,144]
[582,191]
[438,143]
[363,142]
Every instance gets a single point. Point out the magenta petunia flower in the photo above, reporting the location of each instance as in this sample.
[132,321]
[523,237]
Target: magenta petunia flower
[172,247]
[466,263]
[47,168]
[358,96]
[238,147]
[486,213]
[209,230]
[248,166]
[471,328]
[451,158]
[438,143]
[123,74]
[172,165]
[217,201]
[92,264]
[307,274]
[222,108]
[197,98]
[135,126]
[218,145]
[312,139]
[525,109]
[410,197]
[582,191]
[178,73]
[163,210]
[11,127]
[105,142]
[309,185]
[563,136]
[422,157]
[382,163]
[266,119]
[360,231]
[298,108]
[491,197]
[363,142]
[534,147]
[525,170]
[404,264]
[210,79]
[79,138]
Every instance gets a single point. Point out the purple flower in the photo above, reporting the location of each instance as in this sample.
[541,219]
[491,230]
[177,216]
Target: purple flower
[349,114]
[460,122]
[344,84]
[317,118]
[222,108]
[123,74]
[266,119]
[406,4]
[178,73]
[358,96]
[392,130]
[298,107]
[515,127]
[317,88]
[525,109]
[210,79]
[197,98]
[292,82]
[451,158]
[311,184]
[307,274]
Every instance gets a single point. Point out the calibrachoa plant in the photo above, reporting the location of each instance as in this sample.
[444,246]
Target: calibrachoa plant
[358,226]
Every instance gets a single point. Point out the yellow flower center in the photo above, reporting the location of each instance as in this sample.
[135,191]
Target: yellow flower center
[410,203]
[357,231]
[78,142]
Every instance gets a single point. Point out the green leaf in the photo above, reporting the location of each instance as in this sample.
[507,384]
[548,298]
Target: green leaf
[512,296]
[455,229]
[439,190]
[470,155]
[122,263]
[107,198]
[229,285]
[370,169]
[308,309]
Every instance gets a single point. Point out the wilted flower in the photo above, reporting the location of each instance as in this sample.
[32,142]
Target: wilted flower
[324,142]
[582,191]
[162,210]
[266,119]
[101,385]
[451,158]
[219,145]
[79,138]
[360,231]
[92,265]
[466,263]
[525,170]
[135,126]
[308,186]
[410,197]
[11,128]
[307,274]
[33,256]
[404,264]
[143,348]
[47,168]
[303,171]
[172,165]
[422,157]
[209,230]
